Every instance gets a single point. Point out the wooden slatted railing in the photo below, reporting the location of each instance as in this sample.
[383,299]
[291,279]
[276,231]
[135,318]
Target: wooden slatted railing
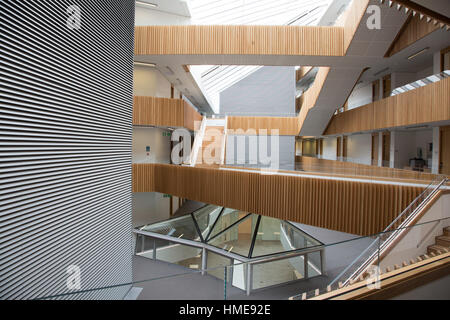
[349,206]
[427,104]
[164,112]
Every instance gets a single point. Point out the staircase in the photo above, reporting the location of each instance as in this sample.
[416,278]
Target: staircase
[442,243]
[209,144]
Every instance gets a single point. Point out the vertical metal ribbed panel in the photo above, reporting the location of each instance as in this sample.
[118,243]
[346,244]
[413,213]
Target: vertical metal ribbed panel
[65,147]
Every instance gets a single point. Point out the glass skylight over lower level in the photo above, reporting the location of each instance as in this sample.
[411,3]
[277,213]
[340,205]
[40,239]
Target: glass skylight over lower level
[246,234]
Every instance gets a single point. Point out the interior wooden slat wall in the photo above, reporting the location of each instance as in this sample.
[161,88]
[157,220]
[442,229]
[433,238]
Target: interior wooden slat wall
[164,112]
[347,206]
[246,39]
[354,14]
[413,30]
[309,98]
[192,118]
[427,104]
[287,126]
[362,170]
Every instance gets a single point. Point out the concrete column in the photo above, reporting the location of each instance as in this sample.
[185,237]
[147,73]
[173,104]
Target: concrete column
[437,62]
[341,148]
[380,95]
[380,149]
[435,155]
[392,151]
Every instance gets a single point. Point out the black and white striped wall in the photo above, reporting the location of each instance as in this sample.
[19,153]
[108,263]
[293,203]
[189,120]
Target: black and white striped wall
[66,70]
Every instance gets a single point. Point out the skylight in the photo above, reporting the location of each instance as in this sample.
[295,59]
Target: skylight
[215,79]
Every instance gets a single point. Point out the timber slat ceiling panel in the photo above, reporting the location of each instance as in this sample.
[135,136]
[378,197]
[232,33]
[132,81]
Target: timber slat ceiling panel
[65,150]
[430,103]
[347,206]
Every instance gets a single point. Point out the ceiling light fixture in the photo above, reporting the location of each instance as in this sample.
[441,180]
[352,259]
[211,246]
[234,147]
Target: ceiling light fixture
[145,64]
[418,53]
[148,4]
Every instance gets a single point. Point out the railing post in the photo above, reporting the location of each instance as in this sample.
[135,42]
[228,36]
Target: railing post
[249,278]
[204,261]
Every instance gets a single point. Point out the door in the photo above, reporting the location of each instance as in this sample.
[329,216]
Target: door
[444,151]
[375,149]
[386,148]
[387,86]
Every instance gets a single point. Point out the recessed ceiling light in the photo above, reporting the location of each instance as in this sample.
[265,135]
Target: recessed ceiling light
[418,53]
[146,64]
[148,4]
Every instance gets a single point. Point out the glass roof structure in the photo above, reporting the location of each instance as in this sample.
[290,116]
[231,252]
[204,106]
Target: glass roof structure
[421,82]
[215,79]
[245,234]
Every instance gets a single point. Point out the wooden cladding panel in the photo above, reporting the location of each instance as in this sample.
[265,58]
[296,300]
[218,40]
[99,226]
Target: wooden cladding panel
[347,206]
[355,13]
[413,30]
[231,39]
[192,118]
[430,103]
[164,112]
[309,98]
[287,126]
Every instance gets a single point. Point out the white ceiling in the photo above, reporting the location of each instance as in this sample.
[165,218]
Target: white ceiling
[178,7]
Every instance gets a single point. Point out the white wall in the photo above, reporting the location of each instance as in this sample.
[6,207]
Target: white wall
[149,207]
[361,95]
[329,148]
[158,141]
[406,144]
[149,81]
[269,91]
[359,148]
[416,241]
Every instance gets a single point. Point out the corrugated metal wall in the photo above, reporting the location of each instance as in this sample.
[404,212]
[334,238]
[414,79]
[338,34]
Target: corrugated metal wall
[65,146]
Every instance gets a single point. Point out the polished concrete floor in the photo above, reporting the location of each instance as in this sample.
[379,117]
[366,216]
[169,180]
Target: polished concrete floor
[171,281]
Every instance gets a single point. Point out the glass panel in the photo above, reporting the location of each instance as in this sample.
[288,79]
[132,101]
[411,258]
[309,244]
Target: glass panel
[205,218]
[239,274]
[216,264]
[228,217]
[314,264]
[238,238]
[277,272]
[275,236]
[182,227]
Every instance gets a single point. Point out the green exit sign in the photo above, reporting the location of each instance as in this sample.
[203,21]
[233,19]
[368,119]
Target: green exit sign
[167,134]
[167,196]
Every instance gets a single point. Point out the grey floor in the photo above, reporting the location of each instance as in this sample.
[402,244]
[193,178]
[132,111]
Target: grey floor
[174,282]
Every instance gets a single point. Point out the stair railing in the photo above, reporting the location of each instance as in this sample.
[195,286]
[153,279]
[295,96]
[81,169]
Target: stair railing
[389,235]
